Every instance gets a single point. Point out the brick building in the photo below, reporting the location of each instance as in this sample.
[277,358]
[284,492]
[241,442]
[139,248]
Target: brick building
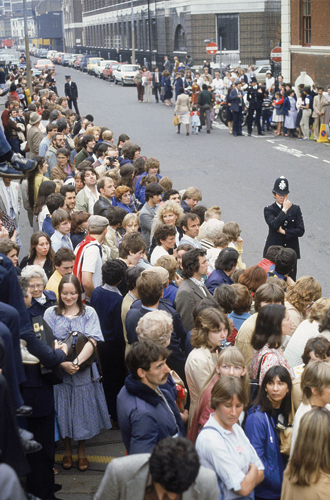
[249,30]
[306,40]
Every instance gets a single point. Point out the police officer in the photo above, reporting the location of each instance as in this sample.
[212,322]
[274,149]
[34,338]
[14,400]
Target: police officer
[255,97]
[285,221]
[71,92]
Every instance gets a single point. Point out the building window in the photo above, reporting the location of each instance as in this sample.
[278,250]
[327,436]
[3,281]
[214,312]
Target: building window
[306,22]
[180,39]
[228,30]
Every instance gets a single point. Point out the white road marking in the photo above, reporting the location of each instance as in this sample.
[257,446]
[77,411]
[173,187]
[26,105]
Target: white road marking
[291,151]
[326,161]
[273,142]
[312,156]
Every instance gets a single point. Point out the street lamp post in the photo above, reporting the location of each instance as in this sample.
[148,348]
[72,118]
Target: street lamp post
[27,49]
[133,35]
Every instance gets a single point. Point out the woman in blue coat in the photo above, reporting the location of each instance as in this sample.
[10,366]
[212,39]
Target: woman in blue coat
[263,421]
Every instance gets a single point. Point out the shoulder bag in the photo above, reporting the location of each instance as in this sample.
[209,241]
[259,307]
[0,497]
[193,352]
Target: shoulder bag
[76,341]
[254,383]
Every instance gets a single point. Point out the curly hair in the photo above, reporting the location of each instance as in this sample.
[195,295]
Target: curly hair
[156,326]
[152,163]
[208,320]
[120,190]
[163,231]
[169,206]
[303,292]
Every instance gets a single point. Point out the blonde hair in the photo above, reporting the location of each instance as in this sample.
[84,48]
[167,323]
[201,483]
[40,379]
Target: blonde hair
[212,212]
[156,326]
[311,453]
[169,206]
[129,218]
[319,309]
[305,290]
[316,375]
[192,193]
[169,263]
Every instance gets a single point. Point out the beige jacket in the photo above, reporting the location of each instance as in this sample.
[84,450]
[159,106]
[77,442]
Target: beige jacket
[243,339]
[34,138]
[182,104]
[319,105]
[199,368]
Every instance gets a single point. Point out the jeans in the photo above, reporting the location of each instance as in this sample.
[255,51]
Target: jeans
[266,118]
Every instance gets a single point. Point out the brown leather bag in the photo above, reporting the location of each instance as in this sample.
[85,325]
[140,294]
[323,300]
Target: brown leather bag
[76,341]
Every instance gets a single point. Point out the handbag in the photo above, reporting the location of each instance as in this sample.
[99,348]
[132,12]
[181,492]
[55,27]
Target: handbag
[8,223]
[286,433]
[76,341]
[176,120]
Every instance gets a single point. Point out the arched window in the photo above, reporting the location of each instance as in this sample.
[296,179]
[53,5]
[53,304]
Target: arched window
[180,39]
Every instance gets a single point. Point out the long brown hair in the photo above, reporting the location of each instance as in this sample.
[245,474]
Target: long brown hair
[34,242]
[311,453]
[69,278]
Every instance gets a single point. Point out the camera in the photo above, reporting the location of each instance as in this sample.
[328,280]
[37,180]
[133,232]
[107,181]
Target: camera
[225,344]
[111,159]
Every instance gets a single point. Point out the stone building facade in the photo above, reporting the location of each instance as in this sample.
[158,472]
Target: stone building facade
[249,30]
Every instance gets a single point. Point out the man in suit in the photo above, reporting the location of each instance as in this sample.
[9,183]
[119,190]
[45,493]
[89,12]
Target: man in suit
[71,92]
[192,289]
[236,100]
[285,221]
[150,288]
[156,83]
[34,135]
[319,106]
[255,97]
[174,471]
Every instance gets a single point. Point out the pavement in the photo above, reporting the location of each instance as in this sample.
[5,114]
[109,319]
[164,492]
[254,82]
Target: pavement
[236,173]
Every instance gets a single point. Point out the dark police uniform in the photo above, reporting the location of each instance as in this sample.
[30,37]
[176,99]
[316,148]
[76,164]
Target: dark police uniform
[255,99]
[291,221]
[71,91]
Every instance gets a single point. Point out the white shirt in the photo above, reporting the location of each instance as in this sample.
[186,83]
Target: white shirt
[157,252]
[93,261]
[92,199]
[218,85]
[298,341]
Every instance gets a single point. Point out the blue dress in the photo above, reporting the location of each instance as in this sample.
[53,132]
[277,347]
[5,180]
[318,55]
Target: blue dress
[79,401]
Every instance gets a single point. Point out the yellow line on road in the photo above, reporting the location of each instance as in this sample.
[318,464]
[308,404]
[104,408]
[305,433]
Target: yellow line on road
[96,459]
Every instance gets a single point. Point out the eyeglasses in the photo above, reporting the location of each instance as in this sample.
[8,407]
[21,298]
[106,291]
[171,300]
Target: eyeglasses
[36,287]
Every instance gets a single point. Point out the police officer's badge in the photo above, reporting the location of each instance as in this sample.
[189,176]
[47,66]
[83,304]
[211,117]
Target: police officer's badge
[282,185]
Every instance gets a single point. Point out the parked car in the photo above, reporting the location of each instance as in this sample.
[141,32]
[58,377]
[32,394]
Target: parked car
[77,61]
[125,74]
[57,59]
[50,54]
[43,53]
[66,59]
[72,60]
[44,64]
[99,67]
[92,62]
[84,61]
[107,73]
[260,73]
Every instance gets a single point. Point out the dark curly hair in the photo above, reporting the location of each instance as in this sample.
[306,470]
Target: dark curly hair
[190,262]
[163,231]
[174,464]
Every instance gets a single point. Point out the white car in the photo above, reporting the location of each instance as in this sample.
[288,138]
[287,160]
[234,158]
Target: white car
[72,59]
[50,54]
[125,74]
[99,67]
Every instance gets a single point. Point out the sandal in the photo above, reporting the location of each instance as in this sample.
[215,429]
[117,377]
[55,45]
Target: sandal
[82,464]
[67,462]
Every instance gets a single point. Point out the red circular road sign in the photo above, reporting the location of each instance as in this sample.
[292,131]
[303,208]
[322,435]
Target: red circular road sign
[211,48]
[276,54]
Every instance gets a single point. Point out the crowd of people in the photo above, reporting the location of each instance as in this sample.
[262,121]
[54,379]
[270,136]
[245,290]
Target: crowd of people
[134,310]
[198,94]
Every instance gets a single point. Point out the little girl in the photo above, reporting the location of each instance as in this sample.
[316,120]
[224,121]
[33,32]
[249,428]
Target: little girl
[195,120]
[278,116]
